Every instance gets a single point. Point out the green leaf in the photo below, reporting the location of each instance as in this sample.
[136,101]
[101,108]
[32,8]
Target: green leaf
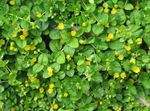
[55,45]
[132,90]
[114,1]
[129,6]
[54,34]
[91,1]
[37,67]
[116,44]
[21,43]
[146,83]
[61,58]
[74,43]
[1,88]
[115,67]
[97,29]
[43,59]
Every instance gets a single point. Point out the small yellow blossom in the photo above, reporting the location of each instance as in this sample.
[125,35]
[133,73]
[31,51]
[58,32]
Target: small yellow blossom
[12,109]
[2,41]
[121,57]
[32,79]
[54,106]
[73,33]
[41,90]
[123,75]
[1,105]
[106,10]
[33,47]
[116,53]
[38,14]
[50,90]
[60,26]
[26,83]
[109,37]
[12,2]
[113,11]
[138,41]
[127,47]
[116,75]
[25,32]
[136,69]
[11,48]
[84,24]
[137,6]
[22,37]
[50,71]
[27,48]
[107,25]
[81,42]
[132,60]
[14,35]
[68,57]
[65,94]
[51,85]
[88,62]
[33,60]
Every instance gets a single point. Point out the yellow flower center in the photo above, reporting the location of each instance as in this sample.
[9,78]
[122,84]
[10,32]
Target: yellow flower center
[60,26]
[65,94]
[116,75]
[138,41]
[2,41]
[41,90]
[121,57]
[136,69]
[109,37]
[106,10]
[132,60]
[84,24]
[27,48]
[22,37]
[113,11]
[81,42]
[12,2]
[123,75]
[88,62]
[50,91]
[39,14]
[50,71]
[51,85]
[127,47]
[54,106]
[73,33]
[68,57]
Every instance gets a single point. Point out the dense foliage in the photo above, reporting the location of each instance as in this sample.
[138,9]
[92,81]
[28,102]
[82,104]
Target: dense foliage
[75,55]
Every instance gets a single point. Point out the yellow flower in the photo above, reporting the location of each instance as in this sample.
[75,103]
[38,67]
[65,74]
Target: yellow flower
[22,37]
[50,91]
[127,47]
[54,106]
[2,41]
[65,94]
[68,57]
[60,26]
[26,83]
[84,24]
[136,69]
[27,48]
[107,25]
[116,53]
[88,62]
[113,11]
[138,41]
[32,79]
[12,109]
[41,90]
[116,75]
[106,10]
[14,35]
[51,85]
[1,105]
[137,6]
[109,37]
[123,75]
[81,42]
[11,48]
[33,60]
[12,2]
[132,60]
[73,33]
[33,47]
[25,32]
[50,71]
[38,14]
[121,57]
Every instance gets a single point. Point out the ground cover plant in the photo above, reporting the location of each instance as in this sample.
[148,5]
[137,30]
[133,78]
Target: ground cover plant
[74,55]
